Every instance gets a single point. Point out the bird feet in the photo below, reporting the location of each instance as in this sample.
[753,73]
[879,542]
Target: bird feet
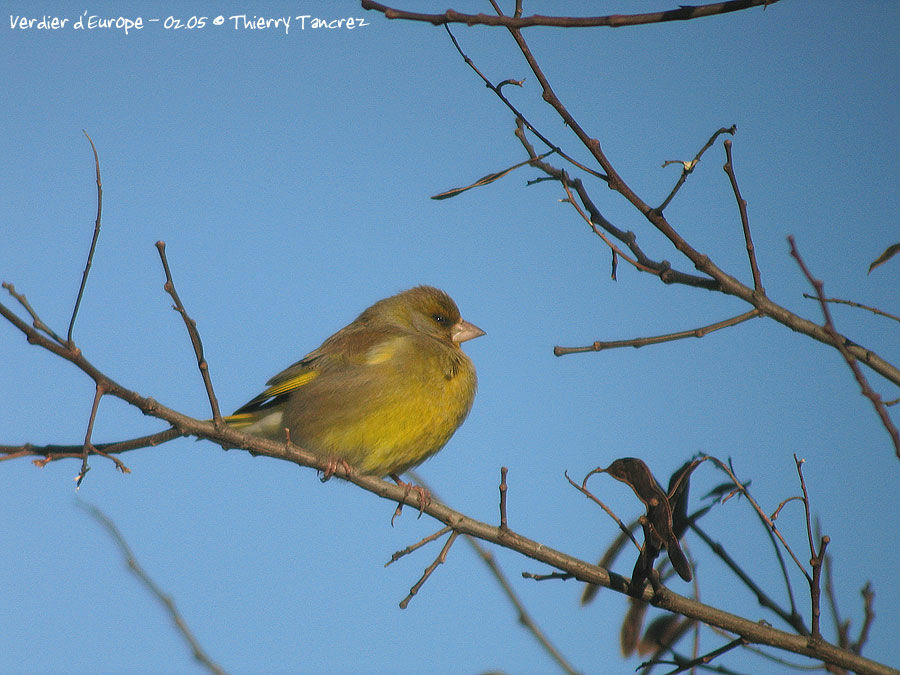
[331,466]
[423,497]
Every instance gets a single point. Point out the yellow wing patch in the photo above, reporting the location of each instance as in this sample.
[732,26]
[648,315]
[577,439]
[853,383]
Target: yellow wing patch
[291,383]
[241,420]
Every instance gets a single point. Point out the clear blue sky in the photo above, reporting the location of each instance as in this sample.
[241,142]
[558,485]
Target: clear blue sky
[290,175]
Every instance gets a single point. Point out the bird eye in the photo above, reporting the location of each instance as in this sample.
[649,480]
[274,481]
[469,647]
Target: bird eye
[440,318]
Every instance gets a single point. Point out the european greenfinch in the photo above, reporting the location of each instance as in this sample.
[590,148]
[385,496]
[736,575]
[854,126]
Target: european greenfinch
[383,394]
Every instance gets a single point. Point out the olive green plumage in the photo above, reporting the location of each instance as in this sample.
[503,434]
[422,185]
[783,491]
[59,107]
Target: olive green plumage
[382,394]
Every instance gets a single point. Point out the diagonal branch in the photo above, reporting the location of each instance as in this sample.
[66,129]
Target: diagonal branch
[461,524]
[745,221]
[441,559]
[497,89]
[191,326]
[36,321]
[662,269]
[158,593]
[725,282]
[841,344]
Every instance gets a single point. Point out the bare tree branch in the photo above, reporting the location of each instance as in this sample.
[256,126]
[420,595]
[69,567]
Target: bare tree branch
[488,559]
[660,597]
[745,221]
[844,347]
[683,13]
[851,303]
[191,326]
[656,339]
[689,166]
[725,282]
[131,560]
[519,116]
[87,266]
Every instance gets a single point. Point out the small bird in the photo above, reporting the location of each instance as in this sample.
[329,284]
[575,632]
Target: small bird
[381,395]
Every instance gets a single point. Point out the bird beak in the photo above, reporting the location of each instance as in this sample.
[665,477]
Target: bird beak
[463,330]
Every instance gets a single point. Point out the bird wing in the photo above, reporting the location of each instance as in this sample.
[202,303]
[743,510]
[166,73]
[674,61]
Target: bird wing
[348,349]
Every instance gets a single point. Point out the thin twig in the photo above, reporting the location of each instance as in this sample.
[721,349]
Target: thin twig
[656,339]
[842,627]
[115,460]
[816,558]
[484,180]
[35,319]
[54,452]
[419,544]
[192,331]
[199,654]
[587,493]
[762,514]
[524,617]
[616,251]
[783,566]
[874,310]
[745,221]
[684,13]
[87,266]
[868,617]
[782,504]
[841,345]
[706,658]
[442,557]
[688,167]
[793,619]
[86,449]
[503,489]
[519,116]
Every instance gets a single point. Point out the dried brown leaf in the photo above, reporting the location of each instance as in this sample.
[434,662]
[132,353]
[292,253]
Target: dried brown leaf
[630,633]
[889,253]
[661,634]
